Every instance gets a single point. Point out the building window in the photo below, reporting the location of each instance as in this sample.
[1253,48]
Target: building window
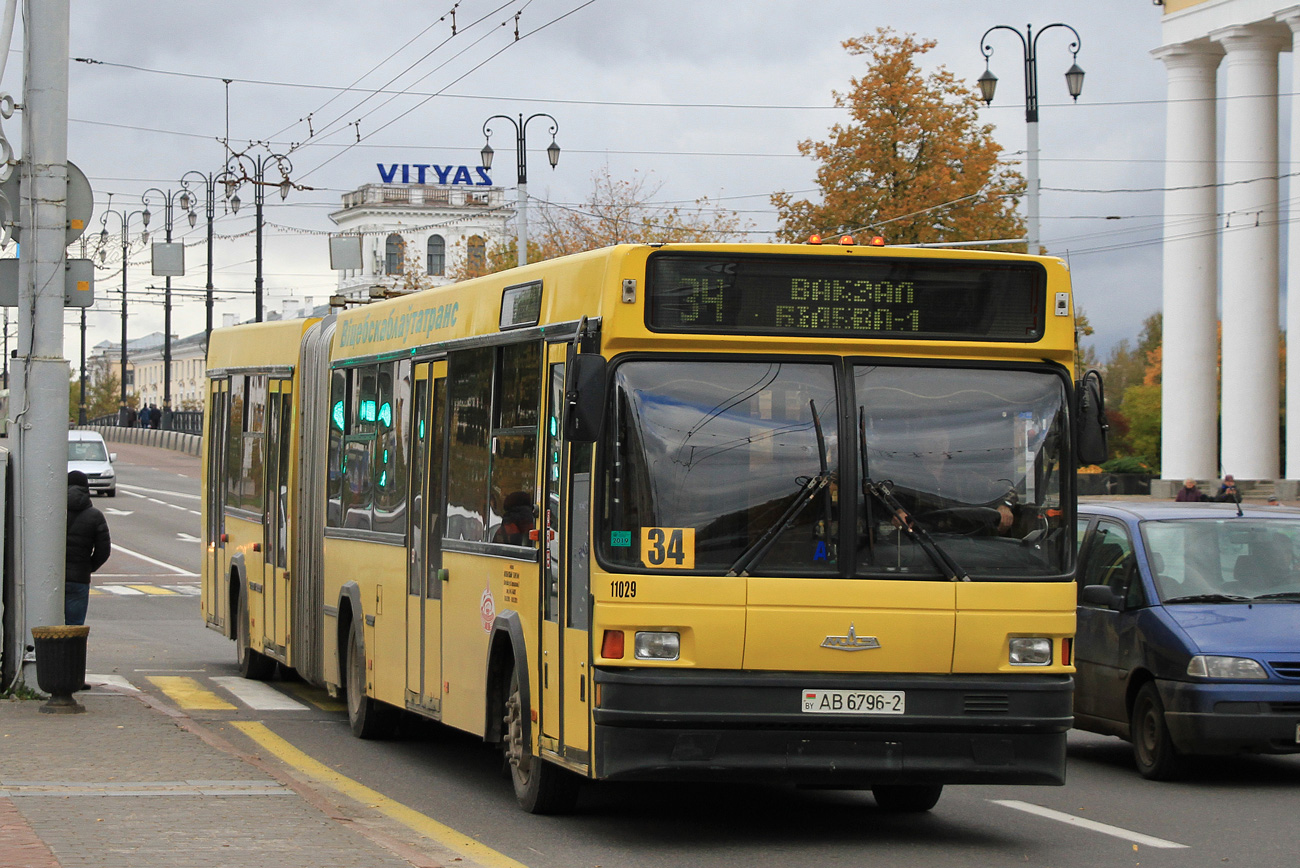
[437,255]
[393,254]
[476,248]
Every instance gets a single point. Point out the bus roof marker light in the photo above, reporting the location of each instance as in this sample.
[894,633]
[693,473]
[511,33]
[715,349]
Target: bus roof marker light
[846,240]
[814,239]
[877,241]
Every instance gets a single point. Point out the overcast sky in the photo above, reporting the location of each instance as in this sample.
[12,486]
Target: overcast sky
[704,98]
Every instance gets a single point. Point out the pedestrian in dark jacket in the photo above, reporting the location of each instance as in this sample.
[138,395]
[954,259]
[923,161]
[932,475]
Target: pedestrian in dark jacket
[88,548]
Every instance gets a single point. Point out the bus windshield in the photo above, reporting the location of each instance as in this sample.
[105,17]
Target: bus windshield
[711,465]
[710,456]
[972,458]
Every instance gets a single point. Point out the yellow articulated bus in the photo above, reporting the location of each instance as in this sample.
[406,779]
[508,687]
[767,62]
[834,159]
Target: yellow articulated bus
[672,512]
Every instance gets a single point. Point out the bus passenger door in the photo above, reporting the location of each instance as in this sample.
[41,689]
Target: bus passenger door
[214,601]
[275,526]
[565,632]
[424,537]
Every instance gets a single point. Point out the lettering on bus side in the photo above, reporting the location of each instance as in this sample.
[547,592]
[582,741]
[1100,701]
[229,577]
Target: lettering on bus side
[411,324]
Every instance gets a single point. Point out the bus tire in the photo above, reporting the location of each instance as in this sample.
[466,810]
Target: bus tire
[368,718]
[541,787]
[252,664]
[1154,752]
[907,798]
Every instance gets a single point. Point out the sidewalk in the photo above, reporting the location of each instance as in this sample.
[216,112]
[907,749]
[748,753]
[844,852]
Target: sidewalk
[134,784]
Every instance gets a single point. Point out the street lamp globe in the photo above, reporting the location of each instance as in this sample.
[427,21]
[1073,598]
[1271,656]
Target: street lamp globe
[1074,81]
[988,83]
[553,153]
[486,156]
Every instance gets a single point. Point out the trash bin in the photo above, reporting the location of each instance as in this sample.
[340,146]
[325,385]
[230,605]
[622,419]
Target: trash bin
[61,666]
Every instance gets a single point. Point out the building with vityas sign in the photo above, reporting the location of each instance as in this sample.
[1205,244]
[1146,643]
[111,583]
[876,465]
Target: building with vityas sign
[423,220]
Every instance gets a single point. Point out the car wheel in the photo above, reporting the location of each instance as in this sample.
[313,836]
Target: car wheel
[1153,750]
[540,787]
[252,664]
[112,492]
[907,798]
[368,718]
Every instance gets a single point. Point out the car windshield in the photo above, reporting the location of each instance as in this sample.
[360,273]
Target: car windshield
[973,458]
[1228,558]
[86,450]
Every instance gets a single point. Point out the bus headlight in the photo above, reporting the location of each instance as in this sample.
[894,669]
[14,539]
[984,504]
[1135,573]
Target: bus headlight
[1207,666]
[658,646]
[1030,651]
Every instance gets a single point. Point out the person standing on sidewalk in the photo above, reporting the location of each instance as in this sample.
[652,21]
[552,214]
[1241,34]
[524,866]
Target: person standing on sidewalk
[88,548]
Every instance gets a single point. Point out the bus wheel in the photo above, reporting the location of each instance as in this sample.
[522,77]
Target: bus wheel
[1154,751]
[907,798]
[367,717]
[252,664]
[540,787]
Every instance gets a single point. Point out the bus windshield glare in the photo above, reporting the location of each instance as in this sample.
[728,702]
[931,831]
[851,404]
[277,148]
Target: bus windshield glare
[711,464]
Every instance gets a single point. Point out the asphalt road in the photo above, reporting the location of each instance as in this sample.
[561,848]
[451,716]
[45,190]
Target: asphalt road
[1229,812]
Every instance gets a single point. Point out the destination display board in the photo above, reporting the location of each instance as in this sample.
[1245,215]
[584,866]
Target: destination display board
[866,297]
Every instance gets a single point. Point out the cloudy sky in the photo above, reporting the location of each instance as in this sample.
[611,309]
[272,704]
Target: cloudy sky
[706,99]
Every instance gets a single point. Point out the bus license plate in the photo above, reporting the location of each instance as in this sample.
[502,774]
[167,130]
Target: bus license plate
[853,701]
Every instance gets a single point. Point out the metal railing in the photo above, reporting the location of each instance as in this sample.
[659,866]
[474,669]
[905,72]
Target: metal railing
[186,421]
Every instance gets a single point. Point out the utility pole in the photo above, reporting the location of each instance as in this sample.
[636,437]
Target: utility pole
[39,408]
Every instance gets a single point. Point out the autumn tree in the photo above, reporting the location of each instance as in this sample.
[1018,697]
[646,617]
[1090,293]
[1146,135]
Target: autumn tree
[103,391]
[914,163]
[617,211]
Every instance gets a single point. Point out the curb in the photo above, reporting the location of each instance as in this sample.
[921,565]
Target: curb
[177,441]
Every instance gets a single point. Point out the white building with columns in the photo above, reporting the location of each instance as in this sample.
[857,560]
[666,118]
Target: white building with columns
[1221,258]
[434,221]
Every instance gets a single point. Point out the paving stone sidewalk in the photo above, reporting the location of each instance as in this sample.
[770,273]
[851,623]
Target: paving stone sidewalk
[130,785]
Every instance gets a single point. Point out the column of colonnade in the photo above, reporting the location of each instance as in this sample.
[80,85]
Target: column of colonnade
[1190,381]
[1239,288]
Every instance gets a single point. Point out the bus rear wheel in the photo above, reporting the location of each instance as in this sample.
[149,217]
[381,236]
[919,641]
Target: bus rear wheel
[368,718]
[907,798]
[540,787]
[252,664]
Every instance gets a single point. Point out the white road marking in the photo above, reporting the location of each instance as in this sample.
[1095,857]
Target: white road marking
[113,680]
[156,563]
[131,489]
[111,511]
[122,590]
[1093,825]
[256,695]
[186,537]
[185,590]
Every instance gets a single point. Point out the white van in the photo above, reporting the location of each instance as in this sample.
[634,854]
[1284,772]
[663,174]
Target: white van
[87,453]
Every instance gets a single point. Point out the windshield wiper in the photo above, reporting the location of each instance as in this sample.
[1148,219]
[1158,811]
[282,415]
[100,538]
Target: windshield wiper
[808,492]
[884,492]
[1291,596]
[1210,598]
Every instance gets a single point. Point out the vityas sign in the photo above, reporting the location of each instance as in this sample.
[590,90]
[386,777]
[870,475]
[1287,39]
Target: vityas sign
[429,173]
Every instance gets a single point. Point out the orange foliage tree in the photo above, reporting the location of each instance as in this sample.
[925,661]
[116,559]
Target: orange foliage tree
[914,163]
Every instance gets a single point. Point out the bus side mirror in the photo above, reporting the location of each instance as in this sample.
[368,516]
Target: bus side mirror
[585,396]
[1101,596]
[1091,426]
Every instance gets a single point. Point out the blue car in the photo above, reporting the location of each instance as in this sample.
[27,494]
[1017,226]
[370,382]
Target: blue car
[1188,639]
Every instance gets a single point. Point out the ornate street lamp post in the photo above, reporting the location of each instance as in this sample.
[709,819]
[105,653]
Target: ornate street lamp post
[988,83]
[521,149]
[187,201]
[169,199]
[124,219]
[238,167]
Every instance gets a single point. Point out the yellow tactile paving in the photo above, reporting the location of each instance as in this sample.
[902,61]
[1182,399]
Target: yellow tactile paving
[189,694]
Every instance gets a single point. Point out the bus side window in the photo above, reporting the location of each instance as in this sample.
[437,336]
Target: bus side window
[469,385]
[338,410]
[514,445]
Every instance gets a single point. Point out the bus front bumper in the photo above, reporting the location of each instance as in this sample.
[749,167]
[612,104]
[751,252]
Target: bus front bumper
[734,726]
